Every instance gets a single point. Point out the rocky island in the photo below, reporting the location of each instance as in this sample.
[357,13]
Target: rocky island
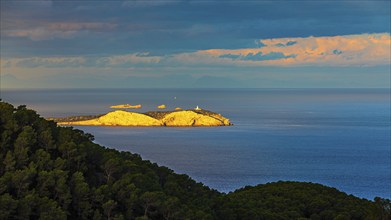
[184,118]
[126,106]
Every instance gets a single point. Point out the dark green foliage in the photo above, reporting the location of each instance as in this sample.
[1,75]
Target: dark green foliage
[292,200]
[50,172]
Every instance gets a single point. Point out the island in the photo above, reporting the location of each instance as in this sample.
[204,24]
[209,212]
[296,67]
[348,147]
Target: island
[161,107]
[178,118]
[126,106]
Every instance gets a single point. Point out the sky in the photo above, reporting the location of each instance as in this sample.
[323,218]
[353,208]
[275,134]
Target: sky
[195,44]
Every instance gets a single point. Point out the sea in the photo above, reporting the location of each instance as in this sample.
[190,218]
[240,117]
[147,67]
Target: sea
[336,137]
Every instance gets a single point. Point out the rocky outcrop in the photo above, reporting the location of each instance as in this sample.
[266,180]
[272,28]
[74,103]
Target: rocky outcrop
[169,118]
[126,106]
[191,118]
[118,118]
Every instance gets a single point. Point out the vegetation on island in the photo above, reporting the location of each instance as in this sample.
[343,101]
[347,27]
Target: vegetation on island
[51,172]
[74,118]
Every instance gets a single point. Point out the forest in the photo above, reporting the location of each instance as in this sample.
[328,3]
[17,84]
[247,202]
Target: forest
[53,172]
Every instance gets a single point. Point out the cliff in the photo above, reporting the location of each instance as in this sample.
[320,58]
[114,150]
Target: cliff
[183,118]
[118,118]
[191,118]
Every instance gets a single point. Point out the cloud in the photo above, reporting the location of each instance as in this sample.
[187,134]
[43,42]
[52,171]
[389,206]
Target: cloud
[49,62]
[69,26]
[64,30]
[348,50]
[259,56]
[39,34]
[122,61]
[130,59]
[173,26]
[362,49]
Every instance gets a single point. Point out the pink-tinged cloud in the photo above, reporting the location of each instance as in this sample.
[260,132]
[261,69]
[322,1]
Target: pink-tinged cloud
[49,62]
[363,49]
[121,61]
[38,34]
[350,50]
[80,26]
[59,30]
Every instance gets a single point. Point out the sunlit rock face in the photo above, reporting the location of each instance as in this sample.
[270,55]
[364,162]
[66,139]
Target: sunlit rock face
[191,118]
[176,118]
[119,118]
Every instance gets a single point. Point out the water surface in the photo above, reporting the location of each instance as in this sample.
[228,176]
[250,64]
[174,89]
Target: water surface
[337,137]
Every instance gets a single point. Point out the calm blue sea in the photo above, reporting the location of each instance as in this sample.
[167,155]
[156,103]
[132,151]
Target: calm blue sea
[337,137]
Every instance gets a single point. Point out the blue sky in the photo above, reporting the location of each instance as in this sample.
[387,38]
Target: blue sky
[169,44]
